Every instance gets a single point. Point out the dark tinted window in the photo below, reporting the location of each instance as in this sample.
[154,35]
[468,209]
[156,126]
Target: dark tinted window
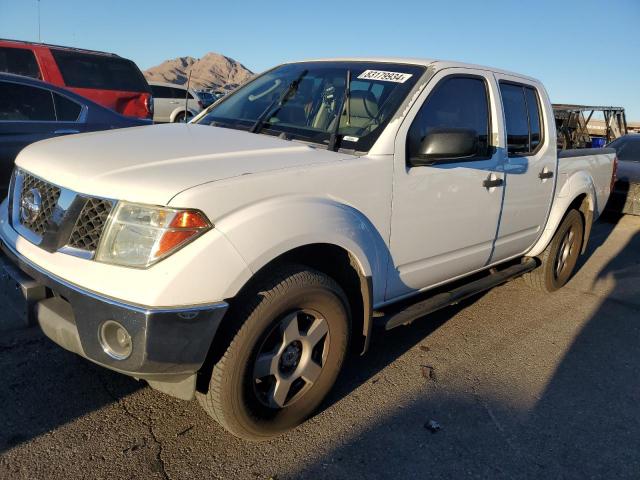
[103,72]
[161,92]
[515,112]
[66,110]
[457,102]
[19,61]
[535,127]
[25,103]
[180,93]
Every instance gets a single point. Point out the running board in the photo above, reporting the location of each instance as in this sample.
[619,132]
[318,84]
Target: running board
[394,318]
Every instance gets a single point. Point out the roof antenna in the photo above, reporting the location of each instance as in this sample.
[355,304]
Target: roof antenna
[39,40]
[186,98]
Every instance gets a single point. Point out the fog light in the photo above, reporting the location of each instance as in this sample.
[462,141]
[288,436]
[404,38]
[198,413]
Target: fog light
[115,340]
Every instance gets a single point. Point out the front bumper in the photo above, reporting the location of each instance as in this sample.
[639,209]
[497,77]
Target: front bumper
[169,345]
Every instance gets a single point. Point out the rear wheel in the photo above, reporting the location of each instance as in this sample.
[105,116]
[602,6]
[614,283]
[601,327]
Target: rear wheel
[291,342]
[180,117]
[559,259]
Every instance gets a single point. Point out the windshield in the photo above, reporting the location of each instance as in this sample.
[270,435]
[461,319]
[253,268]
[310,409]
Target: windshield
[627,148]
[303,101]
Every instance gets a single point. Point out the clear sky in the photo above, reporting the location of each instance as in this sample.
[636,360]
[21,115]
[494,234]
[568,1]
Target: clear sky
[585,51]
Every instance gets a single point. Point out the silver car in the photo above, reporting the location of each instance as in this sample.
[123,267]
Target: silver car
[173,103]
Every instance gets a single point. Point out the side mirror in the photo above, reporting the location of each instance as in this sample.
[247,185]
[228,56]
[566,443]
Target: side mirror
[445,145]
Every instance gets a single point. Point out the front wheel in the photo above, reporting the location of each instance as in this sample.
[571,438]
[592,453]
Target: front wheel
[286,355]
[559,259]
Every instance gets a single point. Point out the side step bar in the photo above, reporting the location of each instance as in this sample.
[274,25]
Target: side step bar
[394,318]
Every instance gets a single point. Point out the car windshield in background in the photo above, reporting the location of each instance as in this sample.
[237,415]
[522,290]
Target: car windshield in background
[104,72]
[627,149]
[304,100]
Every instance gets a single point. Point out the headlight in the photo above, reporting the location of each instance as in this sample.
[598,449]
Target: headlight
[141,235]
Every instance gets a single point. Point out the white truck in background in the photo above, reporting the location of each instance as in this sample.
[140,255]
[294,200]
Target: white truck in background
[237,258]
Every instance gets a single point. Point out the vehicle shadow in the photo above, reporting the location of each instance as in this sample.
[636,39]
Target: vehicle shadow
[583,423]
[44,386]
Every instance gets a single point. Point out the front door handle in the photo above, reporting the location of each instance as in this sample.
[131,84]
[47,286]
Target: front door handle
[491,182]
[544,174]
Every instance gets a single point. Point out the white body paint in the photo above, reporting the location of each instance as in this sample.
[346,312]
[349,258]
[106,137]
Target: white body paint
[409,229]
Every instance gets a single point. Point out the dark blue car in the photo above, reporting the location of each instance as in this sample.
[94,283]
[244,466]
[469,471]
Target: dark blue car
[31,110]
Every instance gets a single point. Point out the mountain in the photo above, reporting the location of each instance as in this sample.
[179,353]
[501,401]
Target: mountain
[211,71]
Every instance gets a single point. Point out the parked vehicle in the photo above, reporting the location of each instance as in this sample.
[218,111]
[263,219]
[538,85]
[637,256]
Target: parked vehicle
[206,98]
[105,78]
[173,103]
[625,197]
[31,110]
[239,264]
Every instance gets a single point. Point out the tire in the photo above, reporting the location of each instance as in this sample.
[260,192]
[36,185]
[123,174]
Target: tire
[268,355]
[179,118]
[559,259]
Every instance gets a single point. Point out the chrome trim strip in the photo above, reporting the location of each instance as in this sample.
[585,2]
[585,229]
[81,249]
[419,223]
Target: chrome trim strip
[109,300]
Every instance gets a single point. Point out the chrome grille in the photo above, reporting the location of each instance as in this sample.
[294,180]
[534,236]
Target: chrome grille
[49,195]
[91,221]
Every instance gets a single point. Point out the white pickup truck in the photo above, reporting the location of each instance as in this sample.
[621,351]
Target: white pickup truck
[238,258]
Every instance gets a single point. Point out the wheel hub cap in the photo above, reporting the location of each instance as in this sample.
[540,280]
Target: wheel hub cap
[291,358]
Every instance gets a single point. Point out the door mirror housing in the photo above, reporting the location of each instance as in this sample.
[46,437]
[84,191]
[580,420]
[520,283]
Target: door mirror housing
[446,145]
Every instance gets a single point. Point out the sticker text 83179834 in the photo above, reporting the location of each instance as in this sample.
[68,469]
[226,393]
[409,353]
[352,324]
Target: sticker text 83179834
[383,76]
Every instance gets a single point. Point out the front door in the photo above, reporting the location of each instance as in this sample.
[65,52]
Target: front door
[445,216]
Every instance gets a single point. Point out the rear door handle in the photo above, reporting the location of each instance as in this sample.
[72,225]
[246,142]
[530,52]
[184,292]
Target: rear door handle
[66,132]
[492,182]
[543,175]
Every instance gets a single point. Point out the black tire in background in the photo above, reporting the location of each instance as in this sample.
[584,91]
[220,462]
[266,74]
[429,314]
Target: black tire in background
[559,259]
[246,405]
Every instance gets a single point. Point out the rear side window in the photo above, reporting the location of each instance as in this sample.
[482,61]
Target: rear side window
[161,92]
[102,72]
[456,102]
[23,103]
[181,94]
[522,115]
[19,61]
[66,110]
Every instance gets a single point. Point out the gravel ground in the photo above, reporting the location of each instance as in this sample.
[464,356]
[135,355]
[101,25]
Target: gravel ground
[512,384]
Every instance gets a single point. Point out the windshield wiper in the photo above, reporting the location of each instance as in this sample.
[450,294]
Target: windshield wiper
[278,102]
[333,140]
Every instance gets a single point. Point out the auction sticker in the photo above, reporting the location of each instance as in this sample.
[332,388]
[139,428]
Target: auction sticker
[383,76]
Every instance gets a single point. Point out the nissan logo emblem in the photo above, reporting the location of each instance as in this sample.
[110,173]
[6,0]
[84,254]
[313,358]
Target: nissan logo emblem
[30,206]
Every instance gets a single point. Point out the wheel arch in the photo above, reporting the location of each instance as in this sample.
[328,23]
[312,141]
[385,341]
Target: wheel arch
[577,193]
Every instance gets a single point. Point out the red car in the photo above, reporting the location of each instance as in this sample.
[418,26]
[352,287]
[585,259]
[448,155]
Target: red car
[105,78]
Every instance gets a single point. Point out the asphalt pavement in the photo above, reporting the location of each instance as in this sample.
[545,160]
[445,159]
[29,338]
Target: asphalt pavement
[510,384]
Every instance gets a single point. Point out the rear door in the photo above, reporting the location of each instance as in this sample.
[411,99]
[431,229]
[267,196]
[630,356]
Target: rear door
[530,165]
[163,103]
[444,218]
[27,115]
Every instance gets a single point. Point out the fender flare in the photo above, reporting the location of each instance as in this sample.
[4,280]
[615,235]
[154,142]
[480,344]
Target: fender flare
[577,185]
[264,231]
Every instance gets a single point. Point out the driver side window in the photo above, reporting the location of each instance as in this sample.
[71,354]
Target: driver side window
[457,102]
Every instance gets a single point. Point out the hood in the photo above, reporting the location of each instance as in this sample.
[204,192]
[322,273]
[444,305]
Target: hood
[629,171]
[153,164]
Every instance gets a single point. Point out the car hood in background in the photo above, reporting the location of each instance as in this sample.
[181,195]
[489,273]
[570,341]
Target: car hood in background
[153,164]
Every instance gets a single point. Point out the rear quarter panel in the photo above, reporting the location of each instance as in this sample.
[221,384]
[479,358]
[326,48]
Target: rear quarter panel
[580,172]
